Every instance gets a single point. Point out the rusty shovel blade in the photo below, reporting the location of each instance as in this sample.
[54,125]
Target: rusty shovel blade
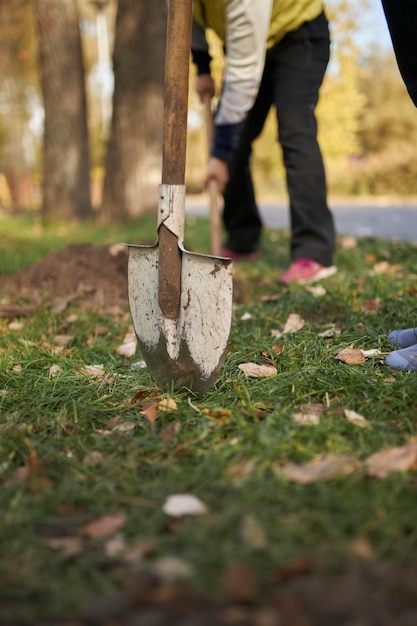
[187,351]
[181,302]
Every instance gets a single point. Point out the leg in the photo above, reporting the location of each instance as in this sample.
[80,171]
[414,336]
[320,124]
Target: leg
[240,214]
[299,62]
[401,17]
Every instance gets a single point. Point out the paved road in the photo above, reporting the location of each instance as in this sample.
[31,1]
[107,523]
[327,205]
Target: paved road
[379,217]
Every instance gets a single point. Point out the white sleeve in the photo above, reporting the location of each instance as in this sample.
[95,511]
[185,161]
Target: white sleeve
[247,27]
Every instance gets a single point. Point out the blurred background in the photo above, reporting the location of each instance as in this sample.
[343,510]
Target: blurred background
[81,102]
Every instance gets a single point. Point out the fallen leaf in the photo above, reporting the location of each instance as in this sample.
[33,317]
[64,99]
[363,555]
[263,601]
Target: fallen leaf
[93,458]
[322,468]
[293,324]
[179,505]
[217,413]
[150,411]
[103,526]
[101,330]
[15,325]
[63,340]
[95,371]
[390,460]
[124,427]
[330,332]
[258,371]
[362,548]
[371,307]
[347,242]
[69,547]
[316,290]
[172,568]
[310,419]
[371,353]
[127,349]
[356,418]
[54,370]
[167,404]
[115,545]
[353,357]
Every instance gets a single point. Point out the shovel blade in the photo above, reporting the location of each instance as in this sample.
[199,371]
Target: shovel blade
[186,352]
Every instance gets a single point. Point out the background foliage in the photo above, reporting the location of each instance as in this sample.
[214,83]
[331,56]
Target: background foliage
[367,126]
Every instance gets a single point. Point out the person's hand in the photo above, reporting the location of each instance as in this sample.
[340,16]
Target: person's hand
[204,86]
[218,172]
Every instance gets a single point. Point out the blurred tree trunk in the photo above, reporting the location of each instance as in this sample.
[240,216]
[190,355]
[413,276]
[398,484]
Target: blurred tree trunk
[134,154]
[66,192]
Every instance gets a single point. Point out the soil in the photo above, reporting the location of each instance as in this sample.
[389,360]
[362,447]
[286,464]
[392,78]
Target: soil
[95,273]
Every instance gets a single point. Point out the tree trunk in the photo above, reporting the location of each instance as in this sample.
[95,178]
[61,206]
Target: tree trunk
[134,154]
[66,193]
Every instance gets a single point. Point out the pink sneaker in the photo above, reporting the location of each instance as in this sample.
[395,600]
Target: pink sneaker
[240,256]
[304,271]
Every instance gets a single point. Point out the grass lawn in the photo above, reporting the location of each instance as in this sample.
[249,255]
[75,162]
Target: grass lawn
[292,503]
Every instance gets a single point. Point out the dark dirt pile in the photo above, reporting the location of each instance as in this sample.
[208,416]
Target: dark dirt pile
[94,273]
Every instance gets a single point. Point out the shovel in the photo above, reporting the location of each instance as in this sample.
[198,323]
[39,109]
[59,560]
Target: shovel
[180,302]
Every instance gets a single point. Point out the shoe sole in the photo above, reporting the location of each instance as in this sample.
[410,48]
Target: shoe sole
[325,272]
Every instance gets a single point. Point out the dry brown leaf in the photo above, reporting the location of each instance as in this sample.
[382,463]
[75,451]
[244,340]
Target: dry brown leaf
[217,413]
[93,458]
[101,330]
[371,307]
[103,526]
[69,547]
[150,411]
[95,371]
[322,468]
[356,418]
[258,371]
[390,460]
[63,340]
[293,324]
[353,357]
[308,419]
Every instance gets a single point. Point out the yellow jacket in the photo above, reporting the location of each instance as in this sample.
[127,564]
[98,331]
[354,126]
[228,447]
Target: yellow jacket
[248,28]
[286,16]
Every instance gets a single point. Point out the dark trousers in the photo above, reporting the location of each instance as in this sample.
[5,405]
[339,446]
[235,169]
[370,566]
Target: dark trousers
[294,71]
[402,22]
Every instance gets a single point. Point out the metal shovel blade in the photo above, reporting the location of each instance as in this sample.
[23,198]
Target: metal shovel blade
[181,302]
[186,351]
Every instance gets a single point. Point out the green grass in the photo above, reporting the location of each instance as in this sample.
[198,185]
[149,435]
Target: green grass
[232,463]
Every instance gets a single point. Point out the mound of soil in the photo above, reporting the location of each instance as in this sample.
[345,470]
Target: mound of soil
[82,270]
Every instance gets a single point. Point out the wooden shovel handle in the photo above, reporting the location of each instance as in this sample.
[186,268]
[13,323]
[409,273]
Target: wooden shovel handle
[214,210]
[177,63]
